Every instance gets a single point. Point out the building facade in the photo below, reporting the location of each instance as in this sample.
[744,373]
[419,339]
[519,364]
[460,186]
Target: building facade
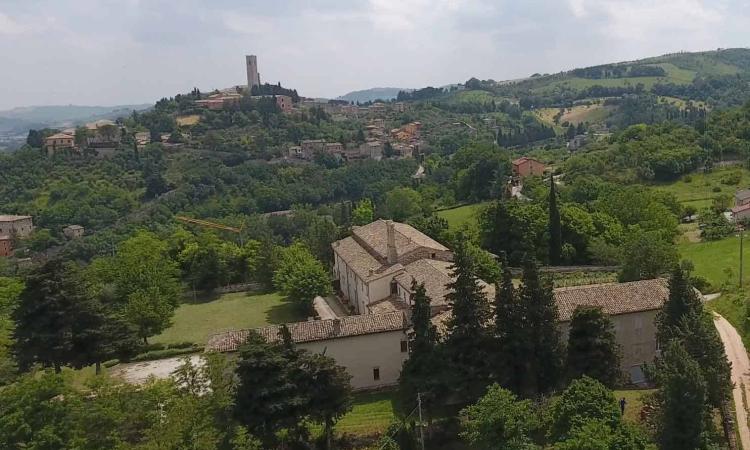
[367,263]
[73,231]
[632,306]
[524,167]
[372,348]
[6,245]
[16,226]
[59,141]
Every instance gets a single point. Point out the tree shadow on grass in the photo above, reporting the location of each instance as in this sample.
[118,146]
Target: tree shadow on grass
[284,312]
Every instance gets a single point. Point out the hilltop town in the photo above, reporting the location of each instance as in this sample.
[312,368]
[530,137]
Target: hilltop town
[549,262]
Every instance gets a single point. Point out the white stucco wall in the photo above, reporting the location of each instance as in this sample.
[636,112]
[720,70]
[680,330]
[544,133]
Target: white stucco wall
[636,335]
[361,354]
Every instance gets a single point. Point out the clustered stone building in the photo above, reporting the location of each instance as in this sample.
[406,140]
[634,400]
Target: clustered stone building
[374,270]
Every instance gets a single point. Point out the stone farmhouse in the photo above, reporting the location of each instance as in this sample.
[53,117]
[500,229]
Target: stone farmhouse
[524,167]
[16,226]
[59,141]
[374,270]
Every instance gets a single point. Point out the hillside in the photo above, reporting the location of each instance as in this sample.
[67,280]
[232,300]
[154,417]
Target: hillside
[369,95]
[21,119]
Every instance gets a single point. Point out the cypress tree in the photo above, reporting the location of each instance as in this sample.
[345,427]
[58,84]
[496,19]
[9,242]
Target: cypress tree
[510,333]
[466,343]
[592,347]
[421,372]
[682,394]
[543,361]
[682,301]
[555,227]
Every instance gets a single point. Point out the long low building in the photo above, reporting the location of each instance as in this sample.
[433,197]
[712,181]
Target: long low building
[371,347]
[631,306]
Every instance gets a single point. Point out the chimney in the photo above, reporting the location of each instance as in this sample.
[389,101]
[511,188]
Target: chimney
[336,326]
[391,234]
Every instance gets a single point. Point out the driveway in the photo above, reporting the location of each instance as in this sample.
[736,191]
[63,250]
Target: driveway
[737,355]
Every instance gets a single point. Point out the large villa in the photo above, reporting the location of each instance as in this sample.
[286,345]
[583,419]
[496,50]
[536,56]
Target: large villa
[373,272]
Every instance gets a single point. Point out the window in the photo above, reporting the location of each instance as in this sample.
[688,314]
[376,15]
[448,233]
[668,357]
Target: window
[404,346]
[433,255]
[376,373]
[394,287]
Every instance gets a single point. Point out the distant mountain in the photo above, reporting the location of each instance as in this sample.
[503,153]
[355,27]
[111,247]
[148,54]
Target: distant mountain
[20,120]
[368,95]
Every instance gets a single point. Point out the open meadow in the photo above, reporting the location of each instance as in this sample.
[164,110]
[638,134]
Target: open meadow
[194,322]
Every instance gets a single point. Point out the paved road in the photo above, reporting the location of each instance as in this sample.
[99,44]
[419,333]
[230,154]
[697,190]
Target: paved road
[737,355]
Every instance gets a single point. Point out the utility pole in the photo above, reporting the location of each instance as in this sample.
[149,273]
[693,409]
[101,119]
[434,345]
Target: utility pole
[421,430]
[742,232]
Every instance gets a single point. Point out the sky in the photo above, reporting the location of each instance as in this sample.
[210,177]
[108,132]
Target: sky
[108,52]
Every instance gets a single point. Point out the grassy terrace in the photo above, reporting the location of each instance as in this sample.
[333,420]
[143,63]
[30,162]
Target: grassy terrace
[194,322]
[699,189]
[458,217]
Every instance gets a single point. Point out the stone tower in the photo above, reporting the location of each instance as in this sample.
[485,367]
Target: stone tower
[253,78]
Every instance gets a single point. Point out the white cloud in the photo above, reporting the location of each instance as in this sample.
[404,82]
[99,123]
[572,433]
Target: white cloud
[14,27]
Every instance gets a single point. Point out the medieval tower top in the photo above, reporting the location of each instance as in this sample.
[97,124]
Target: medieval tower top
[253,78]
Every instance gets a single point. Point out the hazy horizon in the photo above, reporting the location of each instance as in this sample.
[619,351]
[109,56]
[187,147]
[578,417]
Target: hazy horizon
[88,52]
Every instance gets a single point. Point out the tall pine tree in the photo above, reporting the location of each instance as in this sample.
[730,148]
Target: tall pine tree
[544,360]
[512,342]
[682,301]
[555,226]
[592,347]
[683,415]
[422,371]
[467,343]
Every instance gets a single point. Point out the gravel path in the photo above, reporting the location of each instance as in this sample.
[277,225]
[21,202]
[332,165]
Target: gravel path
[737,355]
[140,372]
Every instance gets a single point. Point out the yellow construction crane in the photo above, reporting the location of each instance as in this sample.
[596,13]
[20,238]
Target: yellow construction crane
[214,225]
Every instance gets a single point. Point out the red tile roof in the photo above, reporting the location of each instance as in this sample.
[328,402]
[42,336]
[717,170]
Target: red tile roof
[314,330]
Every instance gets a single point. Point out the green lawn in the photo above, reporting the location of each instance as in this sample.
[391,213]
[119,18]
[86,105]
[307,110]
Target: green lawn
[698,189]
[194,322]
[731,305]
[457,217]
[634,402]
[718,261]
[371,414]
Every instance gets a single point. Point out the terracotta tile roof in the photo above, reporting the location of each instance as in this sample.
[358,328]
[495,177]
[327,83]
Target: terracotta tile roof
[59,136]
[740,208]
[361,261]
[314,330]
[387,305]
[435,275]
[613,298]
[407,237]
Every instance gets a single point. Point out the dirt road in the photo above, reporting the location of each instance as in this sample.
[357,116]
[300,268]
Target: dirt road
[737,355]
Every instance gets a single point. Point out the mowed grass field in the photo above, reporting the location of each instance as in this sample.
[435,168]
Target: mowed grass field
[462,215]
[194,322]
[371,413]
[718,261]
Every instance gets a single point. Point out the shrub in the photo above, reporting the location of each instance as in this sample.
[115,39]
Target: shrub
[732,178]
[166,353]
[716,189]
